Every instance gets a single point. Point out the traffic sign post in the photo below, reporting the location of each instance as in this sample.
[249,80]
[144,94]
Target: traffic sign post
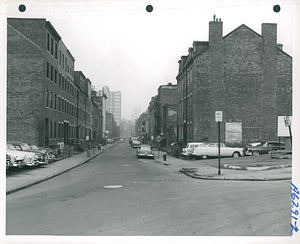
[287,123]
[158,139]
[219,119]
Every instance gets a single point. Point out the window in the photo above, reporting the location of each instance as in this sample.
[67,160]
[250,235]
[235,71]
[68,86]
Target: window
[52,45]
[58,128]
[66,64]
[48,42]
[63,82]
[51,99]
[55,52]
[55,77]
[59,80]
[47,98]
[51,74]
[50,129]
[59,103]
[55,101]
[47,74]
[63,58]
[54,134]
[59,57]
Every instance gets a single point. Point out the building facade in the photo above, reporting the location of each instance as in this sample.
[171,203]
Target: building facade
[166,94]
[113,103]
[245,75]
[47,104]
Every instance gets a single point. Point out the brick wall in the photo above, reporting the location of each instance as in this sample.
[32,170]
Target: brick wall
[25,82]
[249,79]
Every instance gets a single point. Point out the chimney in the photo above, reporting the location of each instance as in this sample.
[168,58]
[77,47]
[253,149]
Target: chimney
[215,32]
[269,34]
[280,46]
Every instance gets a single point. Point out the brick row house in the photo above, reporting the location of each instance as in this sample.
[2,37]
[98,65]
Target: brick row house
[245,75]
[48,103]
[160,118]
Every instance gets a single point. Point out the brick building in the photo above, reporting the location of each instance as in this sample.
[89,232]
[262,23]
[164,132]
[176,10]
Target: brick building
[245,75]
[46,104]
[166,94]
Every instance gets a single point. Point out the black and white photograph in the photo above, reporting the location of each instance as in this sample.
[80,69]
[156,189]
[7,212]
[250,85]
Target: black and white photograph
[158,121]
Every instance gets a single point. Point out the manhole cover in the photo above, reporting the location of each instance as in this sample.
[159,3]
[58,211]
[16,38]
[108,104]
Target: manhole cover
[112,186]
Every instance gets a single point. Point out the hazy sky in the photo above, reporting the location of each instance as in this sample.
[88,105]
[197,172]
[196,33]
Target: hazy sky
[120,45]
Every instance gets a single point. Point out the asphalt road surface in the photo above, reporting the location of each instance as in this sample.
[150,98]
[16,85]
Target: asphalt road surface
[117,194]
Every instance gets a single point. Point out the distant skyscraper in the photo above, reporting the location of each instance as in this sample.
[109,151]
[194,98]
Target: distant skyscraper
[136,113]
[113,103]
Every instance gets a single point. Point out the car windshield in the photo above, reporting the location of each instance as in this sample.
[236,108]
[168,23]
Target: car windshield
[24,146]
[10,147]
[145,148]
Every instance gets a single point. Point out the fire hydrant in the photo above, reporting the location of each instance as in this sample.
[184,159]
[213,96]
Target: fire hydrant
[165,157]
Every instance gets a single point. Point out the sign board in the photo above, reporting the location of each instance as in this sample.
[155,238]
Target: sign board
[219,116]
[282,126]
[233,132]
[158,138]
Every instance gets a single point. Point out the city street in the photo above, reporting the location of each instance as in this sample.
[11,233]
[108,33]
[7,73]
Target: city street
[117,194]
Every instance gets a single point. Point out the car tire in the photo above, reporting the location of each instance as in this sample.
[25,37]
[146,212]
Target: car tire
[204,156]
[236,154]
[255,153]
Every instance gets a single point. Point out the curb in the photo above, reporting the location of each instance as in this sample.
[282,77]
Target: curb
[56,174]
[227,166]
[192,174]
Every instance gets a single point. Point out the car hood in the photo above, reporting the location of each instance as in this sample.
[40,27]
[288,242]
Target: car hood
[14,153]
[37,151]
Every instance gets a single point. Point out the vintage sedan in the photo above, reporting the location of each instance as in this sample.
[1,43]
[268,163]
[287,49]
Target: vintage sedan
[264,148]
[8,161]
[48,150]
[187,151]
[212,150]
[21,158]
[43,155]
[135,144]
[145,150]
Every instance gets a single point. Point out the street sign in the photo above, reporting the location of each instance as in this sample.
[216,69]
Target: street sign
[158,138]
[219,116]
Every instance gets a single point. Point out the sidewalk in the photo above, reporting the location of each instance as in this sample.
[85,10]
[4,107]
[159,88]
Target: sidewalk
[195,169]
[36,175]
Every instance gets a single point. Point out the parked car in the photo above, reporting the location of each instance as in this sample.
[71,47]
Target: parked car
[145,150]
[43,155]
[187,151]
[48,150]
[212,150]
[252,144]
[135,144]
[8,161]
[21,158]
[264,148]
[110,141]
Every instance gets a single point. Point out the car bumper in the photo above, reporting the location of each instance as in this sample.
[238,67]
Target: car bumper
[32,163]
[147,155]
[18,163]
